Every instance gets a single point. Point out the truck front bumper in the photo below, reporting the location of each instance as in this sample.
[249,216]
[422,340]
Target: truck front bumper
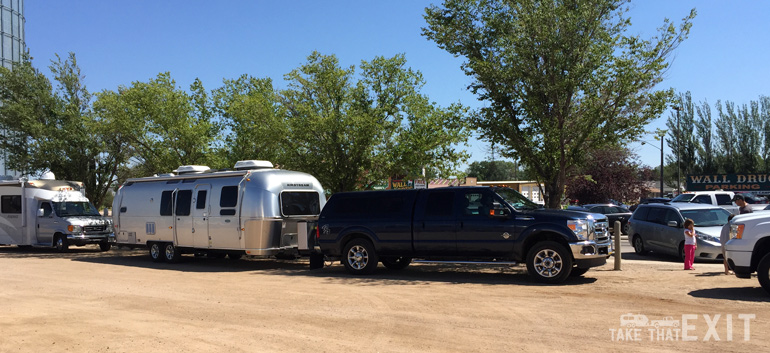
[82,239]
[590,254]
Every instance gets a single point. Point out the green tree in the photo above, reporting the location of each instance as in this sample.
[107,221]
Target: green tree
[251,111]
[54,129]
[560,77]
[704,132]
[611,173]
[682,140]
[165,126]
[494,170]
[354,131]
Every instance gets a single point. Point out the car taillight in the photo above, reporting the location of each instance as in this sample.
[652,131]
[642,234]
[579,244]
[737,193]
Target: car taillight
[317,233]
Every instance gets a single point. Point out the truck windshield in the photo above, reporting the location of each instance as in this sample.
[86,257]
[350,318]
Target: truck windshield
[515,199]
[683,198]
[69,209]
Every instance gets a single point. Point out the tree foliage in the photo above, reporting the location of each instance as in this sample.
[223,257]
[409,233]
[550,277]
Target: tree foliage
[54,128]
[611,173]
[495,171]
[559,77]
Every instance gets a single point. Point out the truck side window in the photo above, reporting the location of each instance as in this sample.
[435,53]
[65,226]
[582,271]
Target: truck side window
[702,199]
[440,204]
[165,203]
[10,204]
[477,204]
[724,199]
[183,202]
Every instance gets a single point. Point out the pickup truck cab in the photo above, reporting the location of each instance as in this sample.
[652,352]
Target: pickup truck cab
[460,224]
[722,199]
[748,249]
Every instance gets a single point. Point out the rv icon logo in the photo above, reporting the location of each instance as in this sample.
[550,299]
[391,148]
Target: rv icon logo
[639,320]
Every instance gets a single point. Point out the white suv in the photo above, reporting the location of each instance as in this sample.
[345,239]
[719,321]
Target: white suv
[748,249]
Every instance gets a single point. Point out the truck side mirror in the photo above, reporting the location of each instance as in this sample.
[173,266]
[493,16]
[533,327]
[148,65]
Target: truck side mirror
[499,211]
[40,212]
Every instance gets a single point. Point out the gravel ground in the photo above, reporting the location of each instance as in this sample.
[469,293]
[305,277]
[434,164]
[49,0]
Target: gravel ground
[120,301]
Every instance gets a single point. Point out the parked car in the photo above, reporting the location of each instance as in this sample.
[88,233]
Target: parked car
[659,228]
[613,213]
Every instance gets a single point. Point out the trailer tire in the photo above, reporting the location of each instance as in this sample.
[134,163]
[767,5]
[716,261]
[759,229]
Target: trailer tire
[171,253]
[396,262]
[549,262]
[359,257]
[155,251]
[60,243]
[105,246]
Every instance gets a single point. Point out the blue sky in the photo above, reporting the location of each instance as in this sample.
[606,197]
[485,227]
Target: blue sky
[119,42]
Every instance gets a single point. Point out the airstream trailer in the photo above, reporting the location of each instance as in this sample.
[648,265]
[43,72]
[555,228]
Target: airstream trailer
[50,213]
[252,210]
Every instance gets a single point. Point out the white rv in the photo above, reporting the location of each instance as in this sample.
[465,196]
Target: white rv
[252,210]
[52,213]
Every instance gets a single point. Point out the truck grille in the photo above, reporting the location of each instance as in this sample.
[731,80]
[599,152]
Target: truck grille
[601,232]
[94,229]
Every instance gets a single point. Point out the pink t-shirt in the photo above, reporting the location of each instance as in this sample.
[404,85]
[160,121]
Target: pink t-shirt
[689,237]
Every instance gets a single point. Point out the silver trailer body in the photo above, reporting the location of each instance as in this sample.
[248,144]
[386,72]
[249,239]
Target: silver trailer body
[50,213]
[250,212]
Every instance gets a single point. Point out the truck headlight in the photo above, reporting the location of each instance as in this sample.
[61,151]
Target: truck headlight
[581,227]
[736,231]
[74,229]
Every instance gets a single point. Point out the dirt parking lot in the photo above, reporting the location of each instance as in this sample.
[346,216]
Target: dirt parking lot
[120,301]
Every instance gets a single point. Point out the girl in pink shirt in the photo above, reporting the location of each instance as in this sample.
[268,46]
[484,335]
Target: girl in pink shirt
[689,243]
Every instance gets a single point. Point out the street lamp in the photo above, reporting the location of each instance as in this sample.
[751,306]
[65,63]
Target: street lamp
[677,133]
[661,161]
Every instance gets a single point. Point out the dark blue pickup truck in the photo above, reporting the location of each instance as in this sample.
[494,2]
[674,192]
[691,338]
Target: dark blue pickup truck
[460,224]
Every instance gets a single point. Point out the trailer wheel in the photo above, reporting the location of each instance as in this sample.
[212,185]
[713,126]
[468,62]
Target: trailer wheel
[360,257]
[549,262]
[172,253]
[155,251]
[61,243]
[396,262]
[105,246]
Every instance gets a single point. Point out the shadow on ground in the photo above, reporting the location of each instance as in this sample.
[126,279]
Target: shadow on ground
[746,294]
[415,274]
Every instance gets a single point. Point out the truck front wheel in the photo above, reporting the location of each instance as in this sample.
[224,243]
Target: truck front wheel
[396,262]
[360,257]
[60,242]
[549,262]
[763,273]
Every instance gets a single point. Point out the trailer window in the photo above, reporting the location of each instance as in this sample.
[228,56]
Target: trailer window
[11,204]
[201,201]
[229,197]
[300,204]
[165,203]
[183,202]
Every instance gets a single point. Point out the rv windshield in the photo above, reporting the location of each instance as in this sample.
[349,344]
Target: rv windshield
[69,209]
[516,199]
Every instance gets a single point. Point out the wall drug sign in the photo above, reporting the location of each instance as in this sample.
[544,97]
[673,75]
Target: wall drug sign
[728,182]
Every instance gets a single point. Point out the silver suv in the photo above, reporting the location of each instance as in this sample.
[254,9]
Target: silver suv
[659,227]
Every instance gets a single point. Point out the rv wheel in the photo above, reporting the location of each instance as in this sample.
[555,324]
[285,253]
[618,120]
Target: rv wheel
[61,243]
[155,251]
[172,253]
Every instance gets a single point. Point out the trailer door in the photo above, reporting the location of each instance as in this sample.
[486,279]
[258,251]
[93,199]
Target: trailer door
[200,216]
[183,222]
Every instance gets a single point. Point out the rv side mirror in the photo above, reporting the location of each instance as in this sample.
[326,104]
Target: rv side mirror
[40,212]
[673,224]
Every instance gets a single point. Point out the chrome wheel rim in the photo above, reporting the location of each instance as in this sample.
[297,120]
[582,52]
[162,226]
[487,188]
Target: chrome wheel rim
[154,251]
[358,257]
[548,263]
[638,244]
[170,251]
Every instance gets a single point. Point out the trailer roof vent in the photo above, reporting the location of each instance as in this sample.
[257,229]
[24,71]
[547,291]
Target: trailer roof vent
[192,169]
[253,164]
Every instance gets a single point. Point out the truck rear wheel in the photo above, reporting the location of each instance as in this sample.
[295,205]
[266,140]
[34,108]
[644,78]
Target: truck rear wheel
[396,262]
[155,251]
[359,257]
[61,243]
[549,262]
[172,254]
[763,273]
